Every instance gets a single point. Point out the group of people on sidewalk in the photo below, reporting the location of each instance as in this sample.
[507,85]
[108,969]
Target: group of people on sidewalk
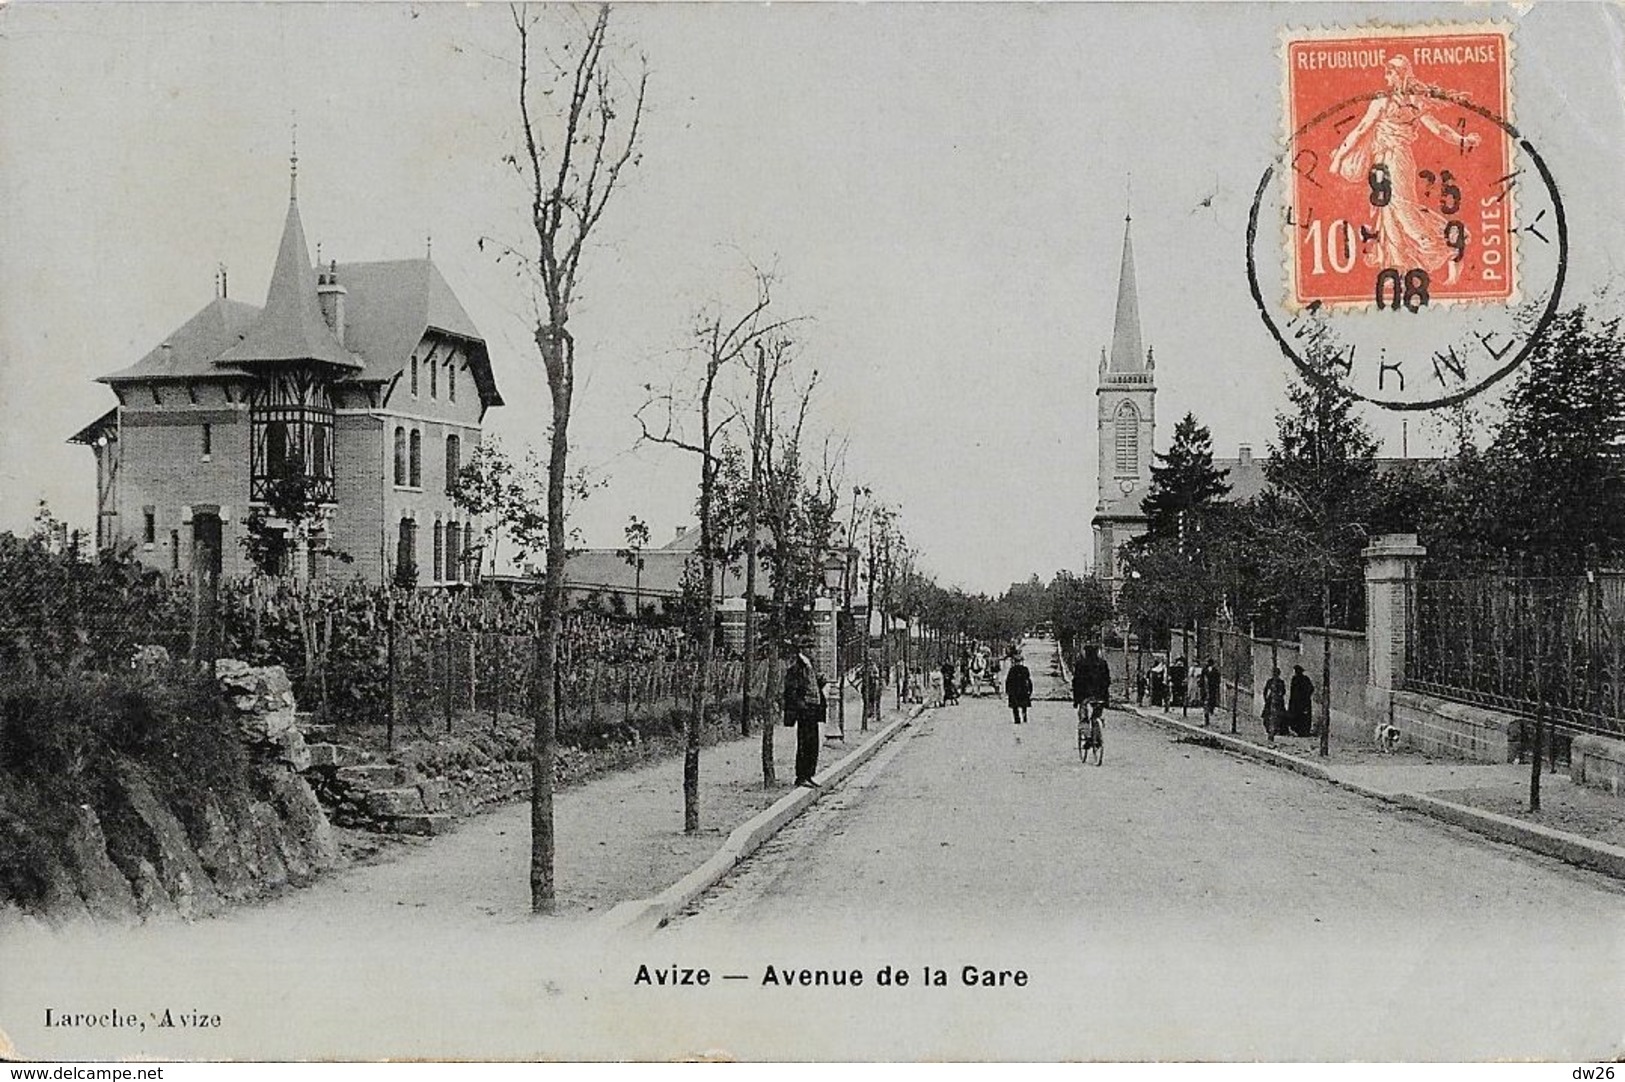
[1288,709]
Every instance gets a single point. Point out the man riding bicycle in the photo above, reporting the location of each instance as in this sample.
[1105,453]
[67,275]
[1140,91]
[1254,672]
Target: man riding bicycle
[1091,684]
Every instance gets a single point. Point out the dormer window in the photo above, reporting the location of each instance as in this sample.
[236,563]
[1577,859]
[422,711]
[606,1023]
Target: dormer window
[451,382]
[434,380]
[414,375]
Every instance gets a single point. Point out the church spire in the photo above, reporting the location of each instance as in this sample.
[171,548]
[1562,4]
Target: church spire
[1127,354]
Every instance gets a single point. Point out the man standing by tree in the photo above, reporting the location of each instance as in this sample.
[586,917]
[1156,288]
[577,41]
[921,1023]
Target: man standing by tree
[804,709]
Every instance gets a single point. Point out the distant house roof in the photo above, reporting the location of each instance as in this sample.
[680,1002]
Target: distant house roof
[1247,480]
[604,569]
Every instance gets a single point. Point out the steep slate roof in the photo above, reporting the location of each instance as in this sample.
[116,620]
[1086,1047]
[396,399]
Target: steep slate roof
[290,327]
[194,346]
[389,306]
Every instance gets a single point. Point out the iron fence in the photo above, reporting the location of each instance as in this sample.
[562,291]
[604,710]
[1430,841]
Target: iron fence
[1529,646]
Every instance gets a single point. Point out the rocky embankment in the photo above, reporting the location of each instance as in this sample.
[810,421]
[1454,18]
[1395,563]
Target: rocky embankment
[130,856]
[133,854]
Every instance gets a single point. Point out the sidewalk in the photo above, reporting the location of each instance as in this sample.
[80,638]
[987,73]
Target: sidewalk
[618,837]
[1576,824]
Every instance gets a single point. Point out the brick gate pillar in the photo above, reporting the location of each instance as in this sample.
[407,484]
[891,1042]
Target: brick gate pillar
[1392,562]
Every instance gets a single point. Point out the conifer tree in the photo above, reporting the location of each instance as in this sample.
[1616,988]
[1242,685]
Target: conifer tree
[1184,481]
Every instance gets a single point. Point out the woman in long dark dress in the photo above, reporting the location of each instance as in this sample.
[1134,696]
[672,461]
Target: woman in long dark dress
[1299,696]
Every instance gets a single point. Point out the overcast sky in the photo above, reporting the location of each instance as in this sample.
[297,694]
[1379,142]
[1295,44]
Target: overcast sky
[941,189]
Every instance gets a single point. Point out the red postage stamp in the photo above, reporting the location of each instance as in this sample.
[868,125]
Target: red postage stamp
[1399,166]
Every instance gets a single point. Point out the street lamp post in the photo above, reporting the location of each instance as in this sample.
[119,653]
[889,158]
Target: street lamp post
[834,579]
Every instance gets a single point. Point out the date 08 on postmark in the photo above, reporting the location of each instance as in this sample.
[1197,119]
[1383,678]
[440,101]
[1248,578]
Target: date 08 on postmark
[1399,167]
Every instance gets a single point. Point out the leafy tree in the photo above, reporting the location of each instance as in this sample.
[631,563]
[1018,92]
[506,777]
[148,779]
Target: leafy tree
[1323,496]
[637,542]
[1557,464]
[577,135]
[1078,607]
[1184,481]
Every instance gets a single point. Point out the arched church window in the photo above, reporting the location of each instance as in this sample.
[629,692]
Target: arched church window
[1126,439]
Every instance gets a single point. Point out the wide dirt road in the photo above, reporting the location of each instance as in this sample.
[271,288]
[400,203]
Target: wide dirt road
[1177,902]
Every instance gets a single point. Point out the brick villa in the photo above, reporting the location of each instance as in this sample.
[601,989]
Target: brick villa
[367,381]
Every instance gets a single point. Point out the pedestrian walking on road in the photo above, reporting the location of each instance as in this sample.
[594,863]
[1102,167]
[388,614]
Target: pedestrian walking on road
[1274,704]
[804,708]
[1179,682]
[1298,706]
[871,690]
[1159,684]
[1139,689]
[950,690]
[1018,688]
[1210,690]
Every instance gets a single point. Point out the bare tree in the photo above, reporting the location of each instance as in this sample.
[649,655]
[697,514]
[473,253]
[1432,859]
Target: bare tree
[722,341]
[575,146]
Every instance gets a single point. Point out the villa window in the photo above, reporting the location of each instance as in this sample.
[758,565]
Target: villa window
[453,463]
[439,551]
[415,460]
[400,455]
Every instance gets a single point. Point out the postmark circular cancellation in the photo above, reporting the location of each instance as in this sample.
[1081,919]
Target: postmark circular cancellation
[1408,241]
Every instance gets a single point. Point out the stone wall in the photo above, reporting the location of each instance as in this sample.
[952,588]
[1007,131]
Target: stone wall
[1441,727]
[1598,762]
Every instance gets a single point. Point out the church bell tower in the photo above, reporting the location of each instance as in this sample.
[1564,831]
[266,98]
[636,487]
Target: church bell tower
[1126,421]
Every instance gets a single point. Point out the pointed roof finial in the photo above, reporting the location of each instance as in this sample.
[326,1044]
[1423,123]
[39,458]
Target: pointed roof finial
[428,246]
[293,162]
[1128,198]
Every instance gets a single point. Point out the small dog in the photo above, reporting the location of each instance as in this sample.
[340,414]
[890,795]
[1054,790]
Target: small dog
[1387,737]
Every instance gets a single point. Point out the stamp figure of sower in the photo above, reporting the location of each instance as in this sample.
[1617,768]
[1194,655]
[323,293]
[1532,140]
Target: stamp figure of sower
[1408,232]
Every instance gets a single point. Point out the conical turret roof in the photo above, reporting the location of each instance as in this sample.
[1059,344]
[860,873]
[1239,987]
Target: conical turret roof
[291,327]
[1128,354]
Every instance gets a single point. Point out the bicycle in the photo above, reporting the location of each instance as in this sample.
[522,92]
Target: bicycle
[1091,731]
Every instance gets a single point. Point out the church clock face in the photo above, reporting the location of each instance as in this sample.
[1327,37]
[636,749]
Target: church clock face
[1126,485]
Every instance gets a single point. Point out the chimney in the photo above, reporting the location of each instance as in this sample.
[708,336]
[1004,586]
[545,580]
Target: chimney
[1246,456]
[331,297]
[682,531]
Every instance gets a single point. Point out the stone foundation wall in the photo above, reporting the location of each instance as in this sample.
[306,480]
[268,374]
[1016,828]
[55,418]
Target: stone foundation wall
[1441,727]
[1598,762]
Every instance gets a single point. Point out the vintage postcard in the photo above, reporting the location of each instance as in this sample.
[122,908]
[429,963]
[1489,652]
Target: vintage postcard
[812,532]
